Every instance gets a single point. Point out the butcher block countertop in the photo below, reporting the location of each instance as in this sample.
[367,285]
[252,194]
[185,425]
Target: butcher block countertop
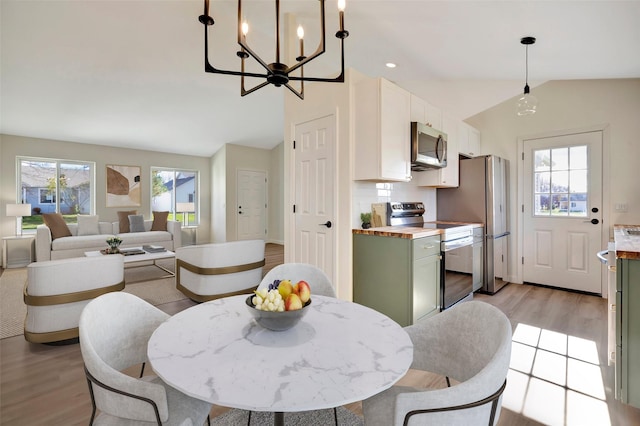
[409,232]
[627,244]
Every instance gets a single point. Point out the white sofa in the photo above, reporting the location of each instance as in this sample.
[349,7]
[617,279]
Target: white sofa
[76,245]
[58,290]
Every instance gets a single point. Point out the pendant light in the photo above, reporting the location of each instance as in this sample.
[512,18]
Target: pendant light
[527,103]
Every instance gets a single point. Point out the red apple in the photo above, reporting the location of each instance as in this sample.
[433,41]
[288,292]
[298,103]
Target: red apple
[292,303]
[304,291]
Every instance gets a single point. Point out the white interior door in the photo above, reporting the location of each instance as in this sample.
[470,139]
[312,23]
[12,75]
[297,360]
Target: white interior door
[314,192]
[252,205]
[563,211]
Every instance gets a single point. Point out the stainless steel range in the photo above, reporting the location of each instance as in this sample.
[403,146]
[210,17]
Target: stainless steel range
[461,261]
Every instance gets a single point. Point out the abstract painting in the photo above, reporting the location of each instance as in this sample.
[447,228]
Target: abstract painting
[123,186]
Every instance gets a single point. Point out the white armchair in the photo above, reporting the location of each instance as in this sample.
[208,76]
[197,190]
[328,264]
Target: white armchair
[470,343]
[114,331]
[318,281]
[210,271]
[58,290]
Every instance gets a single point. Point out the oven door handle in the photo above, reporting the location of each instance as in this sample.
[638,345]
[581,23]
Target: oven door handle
[455,244]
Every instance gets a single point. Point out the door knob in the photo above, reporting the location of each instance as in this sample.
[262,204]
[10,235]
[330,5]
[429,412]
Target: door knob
[595,221]
[327,224]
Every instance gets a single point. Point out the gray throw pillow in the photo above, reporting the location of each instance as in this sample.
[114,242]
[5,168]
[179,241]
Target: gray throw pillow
[136,223]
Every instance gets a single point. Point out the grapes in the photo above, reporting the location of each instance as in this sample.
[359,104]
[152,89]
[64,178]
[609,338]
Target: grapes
[274,285]
[268,300]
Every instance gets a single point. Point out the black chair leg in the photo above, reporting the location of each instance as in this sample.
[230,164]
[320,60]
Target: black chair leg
[249,419]
[335,415]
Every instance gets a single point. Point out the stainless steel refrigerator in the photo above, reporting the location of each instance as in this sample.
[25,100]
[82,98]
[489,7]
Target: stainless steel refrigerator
[482,197]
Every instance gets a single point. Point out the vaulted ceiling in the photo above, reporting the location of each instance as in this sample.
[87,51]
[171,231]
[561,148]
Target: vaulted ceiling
[131,74]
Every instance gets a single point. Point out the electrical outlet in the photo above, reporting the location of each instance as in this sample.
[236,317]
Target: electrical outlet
[621,207]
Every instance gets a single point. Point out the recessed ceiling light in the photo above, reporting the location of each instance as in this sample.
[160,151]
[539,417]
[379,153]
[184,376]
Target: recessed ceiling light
[390,65]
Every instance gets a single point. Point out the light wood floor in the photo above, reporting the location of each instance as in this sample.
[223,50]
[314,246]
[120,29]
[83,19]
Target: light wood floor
[45,385]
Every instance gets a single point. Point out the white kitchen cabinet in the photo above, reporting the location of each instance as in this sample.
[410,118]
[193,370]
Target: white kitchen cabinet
[425,113]
[468,140]
[446,177]
[382,131]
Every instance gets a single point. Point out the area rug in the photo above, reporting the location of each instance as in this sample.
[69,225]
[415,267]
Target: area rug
[13,310]
[307,418]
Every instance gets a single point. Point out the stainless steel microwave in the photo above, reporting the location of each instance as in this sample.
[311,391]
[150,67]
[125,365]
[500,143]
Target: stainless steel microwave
[428,147]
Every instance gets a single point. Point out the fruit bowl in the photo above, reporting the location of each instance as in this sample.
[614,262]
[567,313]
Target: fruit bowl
[277,321]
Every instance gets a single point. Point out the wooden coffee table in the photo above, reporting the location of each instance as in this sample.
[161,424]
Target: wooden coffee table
[142,260]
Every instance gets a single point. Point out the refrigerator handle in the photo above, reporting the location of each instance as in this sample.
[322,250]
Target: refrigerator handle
[504,234]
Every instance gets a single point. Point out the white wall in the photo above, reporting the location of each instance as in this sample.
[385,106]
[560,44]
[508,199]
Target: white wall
[571,105]
[225,165]
[218,196]
[275,232]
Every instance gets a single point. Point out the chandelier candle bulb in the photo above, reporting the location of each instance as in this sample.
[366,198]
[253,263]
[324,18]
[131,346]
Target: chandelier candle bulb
[341,5]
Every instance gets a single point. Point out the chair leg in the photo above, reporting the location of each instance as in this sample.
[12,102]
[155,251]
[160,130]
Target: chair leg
[249,419]
[142,370]
[335,415]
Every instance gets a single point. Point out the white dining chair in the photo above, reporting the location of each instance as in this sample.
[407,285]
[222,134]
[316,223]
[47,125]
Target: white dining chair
[319,282]
[114,331]
[470,343]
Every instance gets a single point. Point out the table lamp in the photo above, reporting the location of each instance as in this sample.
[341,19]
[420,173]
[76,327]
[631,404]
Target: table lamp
[18,210]
[185,208]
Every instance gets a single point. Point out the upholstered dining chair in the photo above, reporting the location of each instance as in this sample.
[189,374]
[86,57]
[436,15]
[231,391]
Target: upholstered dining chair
[114,331]
[470,343]
[211,271]
[318,281]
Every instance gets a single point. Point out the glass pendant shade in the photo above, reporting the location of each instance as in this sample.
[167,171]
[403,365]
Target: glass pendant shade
[527,103]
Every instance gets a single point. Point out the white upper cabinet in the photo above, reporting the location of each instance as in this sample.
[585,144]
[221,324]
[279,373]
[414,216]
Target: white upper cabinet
[382,131]
[469,140]
[449,176]
[425,113]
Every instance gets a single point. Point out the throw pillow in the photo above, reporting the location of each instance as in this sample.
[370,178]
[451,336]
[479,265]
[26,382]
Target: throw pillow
[123,220]
[88,225]
[56,224]
[136,223]
[159,221]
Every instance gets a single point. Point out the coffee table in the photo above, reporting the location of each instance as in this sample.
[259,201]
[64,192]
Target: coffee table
[340,352]
[141,260]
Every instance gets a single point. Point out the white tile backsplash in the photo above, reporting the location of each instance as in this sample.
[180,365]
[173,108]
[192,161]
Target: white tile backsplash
[367,193]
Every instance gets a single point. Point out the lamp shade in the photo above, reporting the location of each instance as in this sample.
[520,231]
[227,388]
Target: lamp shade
[185,207]
[18,210]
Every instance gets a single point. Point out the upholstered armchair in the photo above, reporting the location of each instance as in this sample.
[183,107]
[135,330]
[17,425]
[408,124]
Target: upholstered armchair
[318,281]
[58,290]
[470,343]
[210,271]
[114,331]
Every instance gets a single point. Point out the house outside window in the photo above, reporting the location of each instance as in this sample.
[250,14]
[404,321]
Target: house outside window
[175,191]
[55,186]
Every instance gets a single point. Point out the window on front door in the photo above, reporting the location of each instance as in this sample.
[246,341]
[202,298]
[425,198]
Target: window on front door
[560,182]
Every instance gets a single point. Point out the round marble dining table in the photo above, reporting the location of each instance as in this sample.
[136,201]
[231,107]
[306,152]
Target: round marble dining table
[340,352]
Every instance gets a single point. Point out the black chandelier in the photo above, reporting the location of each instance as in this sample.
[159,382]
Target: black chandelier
[276,73]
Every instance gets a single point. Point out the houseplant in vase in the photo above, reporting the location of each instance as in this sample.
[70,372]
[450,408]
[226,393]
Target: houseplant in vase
[366,220]
[113,243]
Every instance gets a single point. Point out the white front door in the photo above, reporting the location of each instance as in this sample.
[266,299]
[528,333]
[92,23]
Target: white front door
[252,205]
[314,193]
[563,211]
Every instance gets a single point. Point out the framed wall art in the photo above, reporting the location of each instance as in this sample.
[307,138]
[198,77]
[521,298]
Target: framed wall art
[123,186]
